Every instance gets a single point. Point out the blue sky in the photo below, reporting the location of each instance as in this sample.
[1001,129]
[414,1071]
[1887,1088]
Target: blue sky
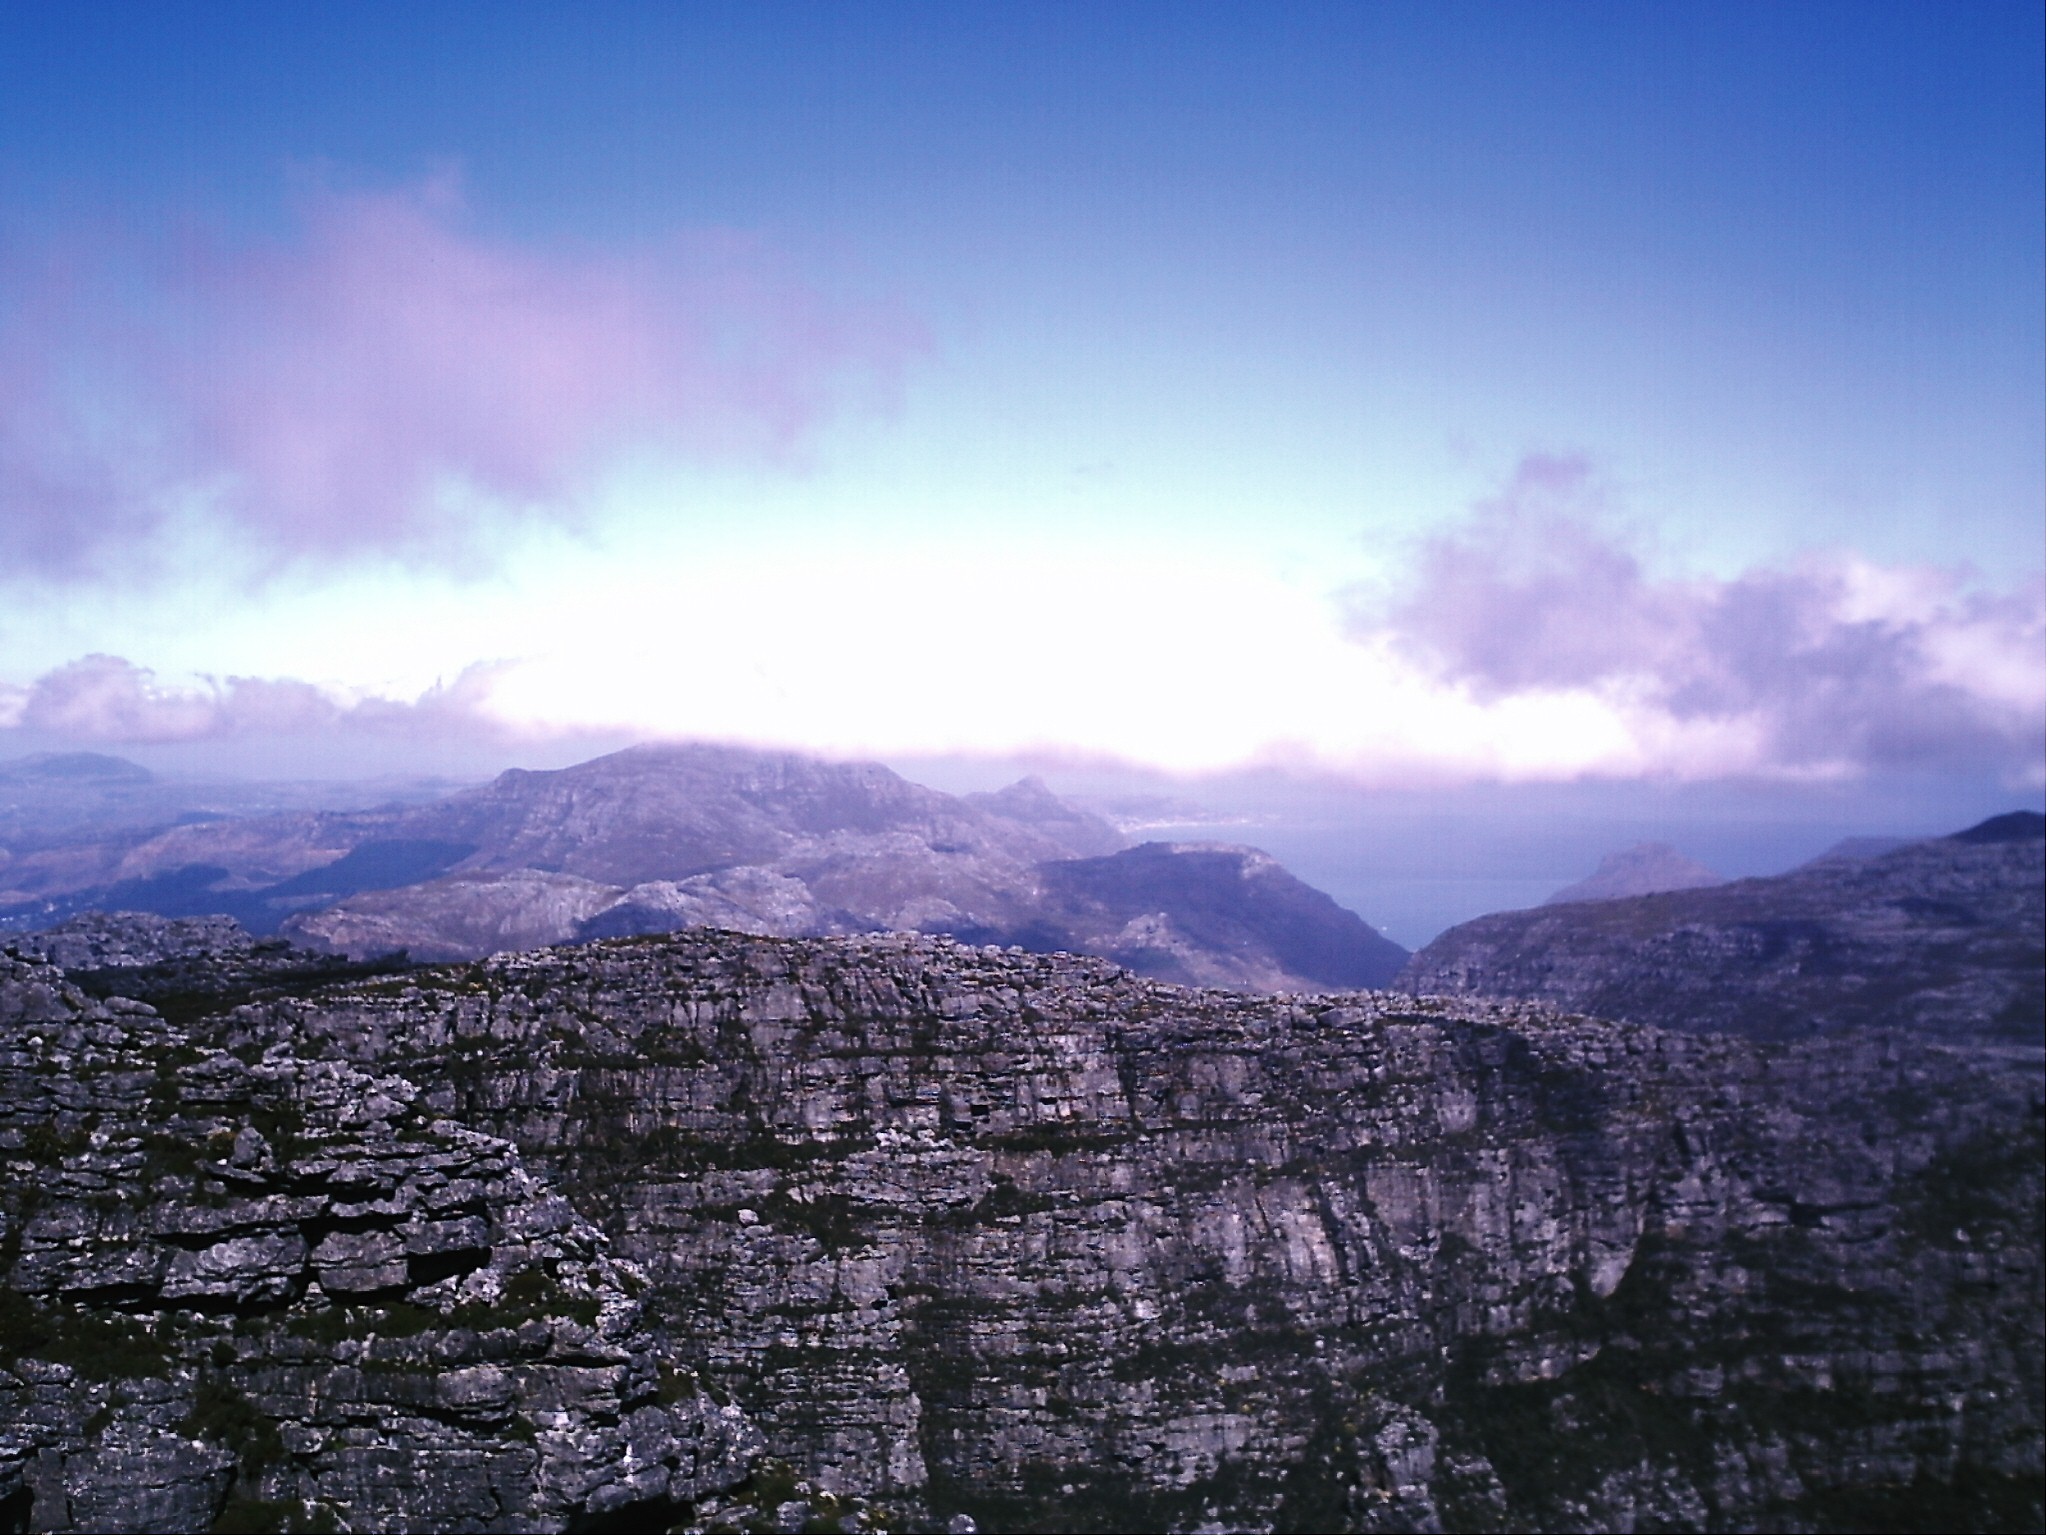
[1406,395]
[1778,264]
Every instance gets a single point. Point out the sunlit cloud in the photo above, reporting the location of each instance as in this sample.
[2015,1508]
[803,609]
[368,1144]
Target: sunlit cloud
[1834,665]
[389,380]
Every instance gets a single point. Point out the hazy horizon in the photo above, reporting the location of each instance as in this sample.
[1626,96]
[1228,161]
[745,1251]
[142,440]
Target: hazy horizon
[1411,863]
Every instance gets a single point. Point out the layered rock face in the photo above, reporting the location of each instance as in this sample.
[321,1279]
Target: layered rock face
[563,1240]
[1941,937]
[262,1292]
[1030,1238]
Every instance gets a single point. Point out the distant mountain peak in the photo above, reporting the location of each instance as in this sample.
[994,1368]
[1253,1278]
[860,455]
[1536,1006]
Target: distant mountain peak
[77,767]
[1030,802]
[1643,870]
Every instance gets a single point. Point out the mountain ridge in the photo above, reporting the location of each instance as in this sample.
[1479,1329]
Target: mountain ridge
[663,836]
[1942,935]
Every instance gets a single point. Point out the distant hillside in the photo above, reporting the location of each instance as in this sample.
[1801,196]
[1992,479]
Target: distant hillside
[1201,913]
[1639,871]
[1854,850]
[660,838]
[81,829]
[74,767]
[1943,936]
[670,812]
[1081,832]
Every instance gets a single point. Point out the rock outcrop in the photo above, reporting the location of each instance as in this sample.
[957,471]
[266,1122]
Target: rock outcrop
[1942,936]
[266,1292]
[1027,1238]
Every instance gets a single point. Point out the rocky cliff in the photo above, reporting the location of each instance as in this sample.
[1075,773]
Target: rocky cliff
[1942,937]
[973,1231]
[262,1292]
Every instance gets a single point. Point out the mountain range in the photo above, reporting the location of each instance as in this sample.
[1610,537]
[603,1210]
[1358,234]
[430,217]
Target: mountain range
[834,1171]
[658,838]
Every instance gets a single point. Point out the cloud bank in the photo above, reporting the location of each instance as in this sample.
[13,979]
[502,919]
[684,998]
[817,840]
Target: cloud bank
[385,377]
[104,700]
[1834,666]
[1524,644]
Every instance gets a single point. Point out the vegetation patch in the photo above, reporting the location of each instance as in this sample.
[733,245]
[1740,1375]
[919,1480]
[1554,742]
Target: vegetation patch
[1973,1500]
[1968,1188]
[244,1512]
[221,1413]
[1552,1441]
[530,1295]
[835,1221]
[1006,1198]
[100,1346]
[1059,1137]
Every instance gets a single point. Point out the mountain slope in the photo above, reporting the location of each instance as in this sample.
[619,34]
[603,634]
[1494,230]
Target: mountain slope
[1199,914]
[1029,802]
[1208,914]
[658,838]
[1943,936]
